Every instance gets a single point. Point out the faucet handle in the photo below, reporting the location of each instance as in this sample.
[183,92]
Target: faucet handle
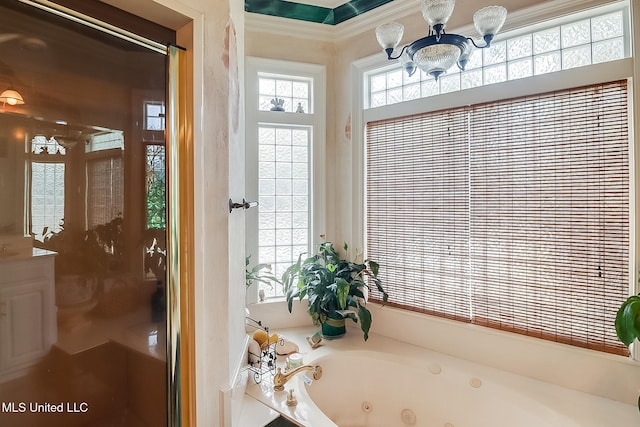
[291,399]
[317,372]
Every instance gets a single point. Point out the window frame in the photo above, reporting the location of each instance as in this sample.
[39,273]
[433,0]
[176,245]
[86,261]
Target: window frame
[521,27]
[575,77]
[317,157]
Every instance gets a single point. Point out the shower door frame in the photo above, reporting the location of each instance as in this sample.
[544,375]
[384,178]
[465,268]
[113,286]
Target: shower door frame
[180,226]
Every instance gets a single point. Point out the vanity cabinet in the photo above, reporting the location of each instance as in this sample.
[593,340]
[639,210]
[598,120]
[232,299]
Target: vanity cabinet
[27,312]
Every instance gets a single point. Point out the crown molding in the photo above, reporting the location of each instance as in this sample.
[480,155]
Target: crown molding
[255,22]
[392,11]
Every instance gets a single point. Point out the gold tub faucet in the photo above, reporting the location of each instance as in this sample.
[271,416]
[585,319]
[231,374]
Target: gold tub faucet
[281,379]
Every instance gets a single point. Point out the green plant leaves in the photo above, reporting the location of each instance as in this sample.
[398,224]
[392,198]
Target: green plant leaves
[365,320]
[334,286]
[627,321]
[342,291]
[374,267]
[260,273]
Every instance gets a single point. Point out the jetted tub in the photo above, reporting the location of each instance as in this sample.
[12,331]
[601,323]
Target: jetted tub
[385,383]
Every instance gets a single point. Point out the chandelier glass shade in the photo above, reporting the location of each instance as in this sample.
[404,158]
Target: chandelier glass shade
[439,51]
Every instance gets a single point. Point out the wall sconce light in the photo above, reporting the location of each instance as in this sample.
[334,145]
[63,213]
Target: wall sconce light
[11,97]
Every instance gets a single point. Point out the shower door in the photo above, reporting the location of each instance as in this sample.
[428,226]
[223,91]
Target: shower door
[83,219]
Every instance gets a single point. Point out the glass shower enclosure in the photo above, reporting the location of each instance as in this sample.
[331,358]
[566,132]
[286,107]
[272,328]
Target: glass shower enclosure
[82,224]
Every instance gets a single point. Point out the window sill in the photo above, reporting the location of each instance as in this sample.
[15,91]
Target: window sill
[273,313]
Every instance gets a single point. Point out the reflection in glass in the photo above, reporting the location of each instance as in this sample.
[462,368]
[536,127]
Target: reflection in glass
[82,226]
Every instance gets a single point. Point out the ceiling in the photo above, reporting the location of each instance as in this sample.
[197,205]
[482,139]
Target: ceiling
[330,12]
[71,72]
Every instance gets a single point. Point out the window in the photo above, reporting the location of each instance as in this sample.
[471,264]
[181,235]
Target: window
[105,192]
[46,186]
[154,116]
[284,158]
[155,182]
[155,187]
[294,93]
[601,37]
[154,240]
[105,177]
[284,213]
[511,214]
[47,198]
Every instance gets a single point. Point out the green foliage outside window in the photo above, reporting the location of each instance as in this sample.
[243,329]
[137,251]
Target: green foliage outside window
[156,213]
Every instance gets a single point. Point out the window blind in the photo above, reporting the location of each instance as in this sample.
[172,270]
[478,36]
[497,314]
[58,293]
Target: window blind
[418,208]
[511,214]
[105,192]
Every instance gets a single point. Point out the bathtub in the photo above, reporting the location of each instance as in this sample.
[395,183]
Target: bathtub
[387,383]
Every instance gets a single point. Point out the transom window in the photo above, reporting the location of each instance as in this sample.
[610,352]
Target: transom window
[593,40]
[294,92]
[154,115]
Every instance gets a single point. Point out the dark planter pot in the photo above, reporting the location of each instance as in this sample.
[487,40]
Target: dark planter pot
[333,328]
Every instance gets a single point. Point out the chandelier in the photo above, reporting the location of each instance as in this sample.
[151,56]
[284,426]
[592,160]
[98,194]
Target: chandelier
[11,96]
[437,52]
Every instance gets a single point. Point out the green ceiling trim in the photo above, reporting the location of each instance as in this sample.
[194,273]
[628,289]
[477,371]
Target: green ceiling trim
[311,13]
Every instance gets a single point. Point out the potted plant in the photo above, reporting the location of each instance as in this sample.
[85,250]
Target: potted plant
[335,288]
[89,263]
[77,261]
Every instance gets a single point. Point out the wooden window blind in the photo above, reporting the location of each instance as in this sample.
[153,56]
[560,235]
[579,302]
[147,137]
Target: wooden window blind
[511,214]
[418,209]
[105,191]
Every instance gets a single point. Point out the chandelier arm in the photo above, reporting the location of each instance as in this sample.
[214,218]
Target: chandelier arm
[487,41]
[474,43]
[390,52]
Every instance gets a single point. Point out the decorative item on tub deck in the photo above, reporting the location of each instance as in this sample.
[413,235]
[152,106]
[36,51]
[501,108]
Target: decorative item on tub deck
[335,288]
[315,340]
[295,360]
[264,339]
[254,353]
[285,346]
[262,350]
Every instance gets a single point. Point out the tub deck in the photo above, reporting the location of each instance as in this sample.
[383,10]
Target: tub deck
[564,407]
